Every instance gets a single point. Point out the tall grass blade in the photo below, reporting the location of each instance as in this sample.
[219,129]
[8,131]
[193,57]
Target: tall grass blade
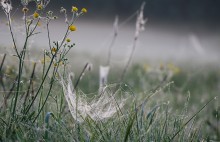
[129,126]
[172,138]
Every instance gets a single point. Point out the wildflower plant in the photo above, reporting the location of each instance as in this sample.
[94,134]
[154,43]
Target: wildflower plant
[54,56]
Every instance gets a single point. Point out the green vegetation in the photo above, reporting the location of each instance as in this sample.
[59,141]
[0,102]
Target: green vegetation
[160,111]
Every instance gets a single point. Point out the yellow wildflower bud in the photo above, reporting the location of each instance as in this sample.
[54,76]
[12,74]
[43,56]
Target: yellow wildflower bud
[25,10]
[84,10]
[55,64]
[74,9]
[39,7]
[72,28]
[35,15]
[54,49]
[68,40]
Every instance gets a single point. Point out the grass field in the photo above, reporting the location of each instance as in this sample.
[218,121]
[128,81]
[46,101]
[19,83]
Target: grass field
[156,109]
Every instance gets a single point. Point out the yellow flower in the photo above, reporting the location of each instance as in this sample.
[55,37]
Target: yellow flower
[84,10]
[68,40]
[72,28]
[74,9]
[54,50]
[35,15]
[40,7]
[25,9]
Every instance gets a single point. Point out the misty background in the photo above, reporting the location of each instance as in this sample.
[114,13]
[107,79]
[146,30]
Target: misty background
[184,11]
[176,29]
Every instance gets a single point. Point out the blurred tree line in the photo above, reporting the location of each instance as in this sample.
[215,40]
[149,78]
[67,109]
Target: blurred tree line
[176,10]
[166,10]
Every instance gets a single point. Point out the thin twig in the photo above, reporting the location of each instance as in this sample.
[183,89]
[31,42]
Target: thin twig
[10,91]
[3,60]
[12,35]
[49,91]
[31,82]
[139,27]
[1,80]
[129,60]
[48,35]
[81,75]
[1,75]
[113,40]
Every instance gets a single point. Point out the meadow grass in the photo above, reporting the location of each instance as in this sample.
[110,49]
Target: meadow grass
[153,112]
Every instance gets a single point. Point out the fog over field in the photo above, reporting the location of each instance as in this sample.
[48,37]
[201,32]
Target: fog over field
[159,42]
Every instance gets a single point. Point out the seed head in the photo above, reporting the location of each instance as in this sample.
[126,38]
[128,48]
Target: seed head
[25,10]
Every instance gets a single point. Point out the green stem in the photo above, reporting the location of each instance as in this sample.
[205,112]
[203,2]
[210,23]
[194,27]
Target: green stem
[21,57]
[51,85]
[41,85]
[18,86]
[21,65]
[12,35]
